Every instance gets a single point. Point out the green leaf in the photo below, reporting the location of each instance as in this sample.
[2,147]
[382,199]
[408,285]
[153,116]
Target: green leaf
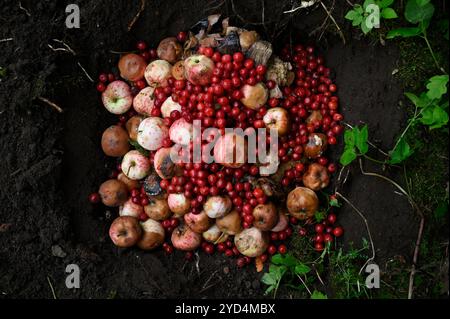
[269,278]
[384,3]
[357,20]
[414,98]
[365,29]
[368,2]
[319,216]
[388,13]
[443,27]
[348,156]
[403,32]
[286,260]
[334,203]
[318,295]
[361,140]
[419,101]
[401,152]
[139,148]
[416,13]
[437,86]
[349,138]
[358,8]
[352,14]
[422,2]
[441,210]
[434,117]
[302,269]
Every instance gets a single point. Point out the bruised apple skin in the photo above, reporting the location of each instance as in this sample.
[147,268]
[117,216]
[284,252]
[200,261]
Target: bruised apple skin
[144,101]
[130,183]
[178,70]
[184,238]
[302,203]
[214,235]
[132,126]
[251,242]
[277,118]
[125,231]
[168,106]
[316,177]
[266,216]
[283,222]
[135,165]
[151,133]
[130,209]
[178,204]
[198,222]
[180,132]
[230,150]
[152,235]
[217,206]
[163,164]
[230,224]
[255,96]
[169,49]
[317,144]
[115,141]
[132,67]
[158,209]
[117,97]
[158,73]
[198,69]
[113,193]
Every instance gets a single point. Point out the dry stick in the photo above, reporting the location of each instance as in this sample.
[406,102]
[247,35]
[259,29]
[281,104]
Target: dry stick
[304,284]
[303,4]
[48,102]
[51,287]
[23,9]
[6,40]
[367,228]
[341,34]
[421,226]
[136,17]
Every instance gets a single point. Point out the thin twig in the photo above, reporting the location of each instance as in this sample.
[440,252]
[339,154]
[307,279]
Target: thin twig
[6,40]
[367,228]
[303,5]
[138,14]
[209,279]
[304,284]
[341,34]
[85,72]
[51,287]
[23,9]
[197,261]
[48,102]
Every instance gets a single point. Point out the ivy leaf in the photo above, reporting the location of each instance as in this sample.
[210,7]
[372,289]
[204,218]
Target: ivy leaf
[358,8]
[437,86]
[355,17]
[361,140]
[348,156]
[419,101]
[365,29]
[349,138]
[434,117]
[269,278]
[318,295]
[301,269]
[401,152]
[384,3]
[388,13]
[403,32]
[367,3]
[416,13]
[285,260]
[422,2]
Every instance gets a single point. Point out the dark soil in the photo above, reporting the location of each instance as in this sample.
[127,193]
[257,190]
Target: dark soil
[52,161]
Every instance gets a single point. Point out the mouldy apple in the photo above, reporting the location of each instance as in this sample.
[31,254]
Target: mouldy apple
[115,141]
[130,209]
[317,144]
[251,242]
[266,216]
[230,223]
[168,106]
[316,177]
[132,126]
[178,70]
[277,118]
[113,193]
[169,49]
[151,133]
[215,235]
[117,97]
[158,73]
[217,206]
[180,132]
[135,165]
[302,203]
[130,183]
[144,101]
[132,67]
[153,235]
[198,69]
[283,222]
[179,204]
[255,96]
[158,209]
[184,238]
[163,164]
[231,150]
[197,222]
[125,231]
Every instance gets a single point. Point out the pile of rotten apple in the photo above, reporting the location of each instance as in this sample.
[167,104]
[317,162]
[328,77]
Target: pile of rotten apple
[229,79]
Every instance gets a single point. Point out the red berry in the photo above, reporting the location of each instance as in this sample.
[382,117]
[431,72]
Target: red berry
[103,77]
[319,228]
[327,238]
[272,249]
[141,45]
[318,247]
[331,219]
[338,231]
[240,262]
[282,249]
[189,255]
[94,198]
[101,87]
[182,36]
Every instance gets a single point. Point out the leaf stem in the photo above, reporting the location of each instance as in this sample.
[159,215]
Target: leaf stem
[432,52]
[373,159]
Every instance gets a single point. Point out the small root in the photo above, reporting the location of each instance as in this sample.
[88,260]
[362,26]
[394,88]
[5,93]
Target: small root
[53,105]
[341,34]
[138,14]
[51,287]
[6,40]
[24,9]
